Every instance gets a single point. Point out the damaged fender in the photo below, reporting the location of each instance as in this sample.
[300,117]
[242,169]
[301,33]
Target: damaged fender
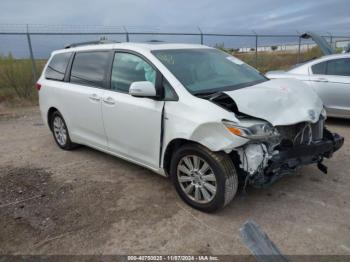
[205,128]
[216,137]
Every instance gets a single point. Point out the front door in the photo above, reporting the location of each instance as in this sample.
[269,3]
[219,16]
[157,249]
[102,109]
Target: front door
[132,124]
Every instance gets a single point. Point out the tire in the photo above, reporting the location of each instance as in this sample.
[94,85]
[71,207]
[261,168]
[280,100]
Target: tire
[64,143]
[220,165]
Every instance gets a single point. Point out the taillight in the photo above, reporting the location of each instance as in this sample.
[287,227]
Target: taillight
[38,86]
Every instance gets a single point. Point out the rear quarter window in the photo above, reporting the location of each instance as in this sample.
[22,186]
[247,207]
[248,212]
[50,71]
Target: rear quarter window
[57,66]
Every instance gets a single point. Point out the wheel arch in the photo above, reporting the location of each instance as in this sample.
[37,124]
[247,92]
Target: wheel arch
[172,146]
[210,135]
[50,114]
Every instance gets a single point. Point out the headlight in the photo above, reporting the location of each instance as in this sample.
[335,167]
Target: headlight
[253,131]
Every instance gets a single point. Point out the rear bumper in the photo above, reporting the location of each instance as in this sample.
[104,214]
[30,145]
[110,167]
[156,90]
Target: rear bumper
[290,158]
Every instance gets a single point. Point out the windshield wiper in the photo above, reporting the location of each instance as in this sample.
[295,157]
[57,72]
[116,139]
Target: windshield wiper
[204,94]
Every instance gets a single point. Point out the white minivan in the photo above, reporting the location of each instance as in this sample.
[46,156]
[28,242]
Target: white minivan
[194,113]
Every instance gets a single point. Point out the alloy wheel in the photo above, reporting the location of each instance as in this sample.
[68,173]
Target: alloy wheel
[60,130]
[197,179]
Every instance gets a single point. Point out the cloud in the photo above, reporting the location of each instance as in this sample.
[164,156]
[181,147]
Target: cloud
[280,22]
[223,15]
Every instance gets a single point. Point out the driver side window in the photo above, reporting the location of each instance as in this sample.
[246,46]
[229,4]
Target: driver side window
[128,68]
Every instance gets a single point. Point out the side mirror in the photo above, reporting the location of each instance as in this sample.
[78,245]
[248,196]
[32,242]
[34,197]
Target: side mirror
[142,89]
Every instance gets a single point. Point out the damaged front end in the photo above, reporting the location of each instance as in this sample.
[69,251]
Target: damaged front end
[284,124]
[265,161]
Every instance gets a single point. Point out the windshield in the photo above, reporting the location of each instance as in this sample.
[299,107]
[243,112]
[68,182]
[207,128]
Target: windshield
[204,71]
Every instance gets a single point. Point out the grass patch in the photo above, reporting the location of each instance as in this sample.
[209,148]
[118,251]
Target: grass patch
[16,80]
[277,60]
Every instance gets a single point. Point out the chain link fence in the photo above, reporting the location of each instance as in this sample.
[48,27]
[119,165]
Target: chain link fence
[36,42]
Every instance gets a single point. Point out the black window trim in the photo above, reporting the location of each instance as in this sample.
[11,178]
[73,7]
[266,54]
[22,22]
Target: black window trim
[159,76]
[108,75]
[105,78]
[327,62]
[66,70]
[335,59]
[325,73]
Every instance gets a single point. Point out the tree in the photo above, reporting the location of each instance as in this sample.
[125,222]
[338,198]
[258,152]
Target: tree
[233,50]
[274,48]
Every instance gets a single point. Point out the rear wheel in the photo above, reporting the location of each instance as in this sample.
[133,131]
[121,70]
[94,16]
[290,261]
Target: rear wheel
[60,132]
[205,180]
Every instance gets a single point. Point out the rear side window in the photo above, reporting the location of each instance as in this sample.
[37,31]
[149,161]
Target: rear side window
[339,67]
[319,69]
[57,66]
[89,68]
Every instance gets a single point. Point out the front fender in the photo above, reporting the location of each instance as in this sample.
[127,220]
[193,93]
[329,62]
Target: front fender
[198,121]
[216,137]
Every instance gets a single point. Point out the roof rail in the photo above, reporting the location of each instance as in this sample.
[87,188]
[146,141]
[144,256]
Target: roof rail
[99,42]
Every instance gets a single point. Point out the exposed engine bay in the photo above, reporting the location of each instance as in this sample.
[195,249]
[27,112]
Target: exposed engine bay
[264,159]
[305,143]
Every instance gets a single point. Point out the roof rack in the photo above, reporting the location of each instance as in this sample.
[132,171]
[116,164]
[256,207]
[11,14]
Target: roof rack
[99,42]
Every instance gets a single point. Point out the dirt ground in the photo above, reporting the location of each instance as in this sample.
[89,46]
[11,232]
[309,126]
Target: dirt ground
[86,202]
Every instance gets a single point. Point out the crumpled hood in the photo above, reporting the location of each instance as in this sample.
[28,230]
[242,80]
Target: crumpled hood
[326,48]
[279,101]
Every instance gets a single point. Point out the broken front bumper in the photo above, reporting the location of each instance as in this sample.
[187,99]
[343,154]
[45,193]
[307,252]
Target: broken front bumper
[288,159]
[306,154]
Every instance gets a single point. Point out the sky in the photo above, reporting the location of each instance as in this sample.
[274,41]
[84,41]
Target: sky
[227,15]
[223,16]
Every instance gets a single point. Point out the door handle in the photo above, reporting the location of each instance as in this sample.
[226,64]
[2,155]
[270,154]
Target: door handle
[321,79]
[95,97]
[109,100]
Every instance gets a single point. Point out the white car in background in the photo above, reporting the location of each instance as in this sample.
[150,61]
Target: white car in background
[191,112]
[328,75]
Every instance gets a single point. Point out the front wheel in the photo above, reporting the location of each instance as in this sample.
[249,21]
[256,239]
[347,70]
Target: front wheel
[204,179]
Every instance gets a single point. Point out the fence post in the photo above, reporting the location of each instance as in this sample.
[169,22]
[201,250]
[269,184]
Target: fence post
[256,49]
[331,40]
[126,34]
[34,72]
[299,46]
[201,34]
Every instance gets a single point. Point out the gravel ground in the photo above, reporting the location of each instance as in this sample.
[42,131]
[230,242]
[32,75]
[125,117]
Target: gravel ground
[86,202]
